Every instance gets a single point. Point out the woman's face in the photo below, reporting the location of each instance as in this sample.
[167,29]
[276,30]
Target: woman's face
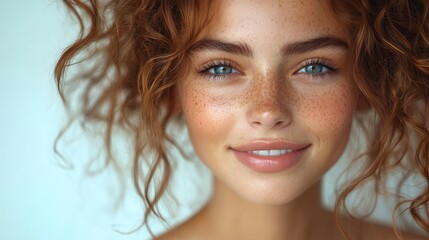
[268,98]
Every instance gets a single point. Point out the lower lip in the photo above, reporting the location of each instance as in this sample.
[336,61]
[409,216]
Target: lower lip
[269,164]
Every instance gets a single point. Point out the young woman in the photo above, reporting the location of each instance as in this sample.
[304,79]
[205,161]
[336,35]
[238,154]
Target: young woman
[268,91]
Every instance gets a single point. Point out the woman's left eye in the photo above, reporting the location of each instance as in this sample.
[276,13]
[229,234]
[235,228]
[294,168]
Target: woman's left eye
[315,69]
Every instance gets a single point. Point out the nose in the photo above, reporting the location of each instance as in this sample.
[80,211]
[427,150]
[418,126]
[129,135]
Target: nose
[269,108]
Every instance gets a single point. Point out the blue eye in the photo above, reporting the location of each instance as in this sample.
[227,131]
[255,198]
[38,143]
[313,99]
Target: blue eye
[221,70]
[315,69]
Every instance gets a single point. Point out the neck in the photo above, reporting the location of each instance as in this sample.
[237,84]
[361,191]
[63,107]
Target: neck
[231,217]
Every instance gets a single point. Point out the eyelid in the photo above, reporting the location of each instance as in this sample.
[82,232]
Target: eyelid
[316,61]
[213,63]
[203,70]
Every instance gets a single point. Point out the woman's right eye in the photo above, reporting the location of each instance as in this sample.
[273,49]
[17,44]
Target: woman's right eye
[218,69]
[221,70]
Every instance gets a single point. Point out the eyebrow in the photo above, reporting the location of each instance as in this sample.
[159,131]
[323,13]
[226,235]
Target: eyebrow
[287,49]
[313,44]
[217,45]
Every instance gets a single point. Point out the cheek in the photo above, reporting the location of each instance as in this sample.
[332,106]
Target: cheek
[329,113]
[208,116]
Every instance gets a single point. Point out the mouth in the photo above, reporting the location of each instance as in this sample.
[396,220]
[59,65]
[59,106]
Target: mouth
[267,156]
[268,153]
[270,147]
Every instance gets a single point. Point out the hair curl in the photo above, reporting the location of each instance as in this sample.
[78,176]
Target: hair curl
[139,47]
[389,45]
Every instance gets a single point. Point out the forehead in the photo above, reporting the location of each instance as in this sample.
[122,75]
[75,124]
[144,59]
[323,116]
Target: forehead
[272,19]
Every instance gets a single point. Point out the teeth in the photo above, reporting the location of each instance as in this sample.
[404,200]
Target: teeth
[271,152]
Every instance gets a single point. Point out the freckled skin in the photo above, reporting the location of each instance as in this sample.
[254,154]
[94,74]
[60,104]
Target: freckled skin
[269,99]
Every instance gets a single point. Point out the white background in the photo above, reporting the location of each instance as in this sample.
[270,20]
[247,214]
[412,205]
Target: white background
[38,198]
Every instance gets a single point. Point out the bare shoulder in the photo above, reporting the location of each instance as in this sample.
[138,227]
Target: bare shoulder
[372,230]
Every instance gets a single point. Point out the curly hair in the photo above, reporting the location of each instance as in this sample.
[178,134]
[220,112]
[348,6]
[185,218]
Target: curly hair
[139,47]
[389,44]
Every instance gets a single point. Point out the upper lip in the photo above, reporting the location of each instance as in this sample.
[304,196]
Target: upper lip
[269,145]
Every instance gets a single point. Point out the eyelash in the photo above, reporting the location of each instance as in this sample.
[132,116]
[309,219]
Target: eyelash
[205,68]
[329,71]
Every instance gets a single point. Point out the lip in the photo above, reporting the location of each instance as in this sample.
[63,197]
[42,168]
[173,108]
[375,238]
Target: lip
[270,164]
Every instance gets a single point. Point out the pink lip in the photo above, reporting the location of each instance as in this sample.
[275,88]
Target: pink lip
[269,145]
[269,164]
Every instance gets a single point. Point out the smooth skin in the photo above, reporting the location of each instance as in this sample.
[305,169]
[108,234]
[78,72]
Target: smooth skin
[269,71]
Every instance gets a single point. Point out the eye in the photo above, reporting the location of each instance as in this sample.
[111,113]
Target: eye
[221,70]
[316,68]
[218,69]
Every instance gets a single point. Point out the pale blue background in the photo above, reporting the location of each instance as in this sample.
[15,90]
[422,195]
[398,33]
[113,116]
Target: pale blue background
[38,199]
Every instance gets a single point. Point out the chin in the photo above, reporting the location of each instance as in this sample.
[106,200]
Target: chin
[274,192]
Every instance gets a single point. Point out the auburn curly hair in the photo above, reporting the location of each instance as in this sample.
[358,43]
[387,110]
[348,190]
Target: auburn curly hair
[137,48]
[389,44]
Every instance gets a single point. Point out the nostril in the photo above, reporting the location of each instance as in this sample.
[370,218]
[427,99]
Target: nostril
[270,121]
[279,124]
[271,114]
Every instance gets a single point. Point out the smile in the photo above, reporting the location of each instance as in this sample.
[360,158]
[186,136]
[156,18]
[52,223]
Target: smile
[269,153]
[270,156]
